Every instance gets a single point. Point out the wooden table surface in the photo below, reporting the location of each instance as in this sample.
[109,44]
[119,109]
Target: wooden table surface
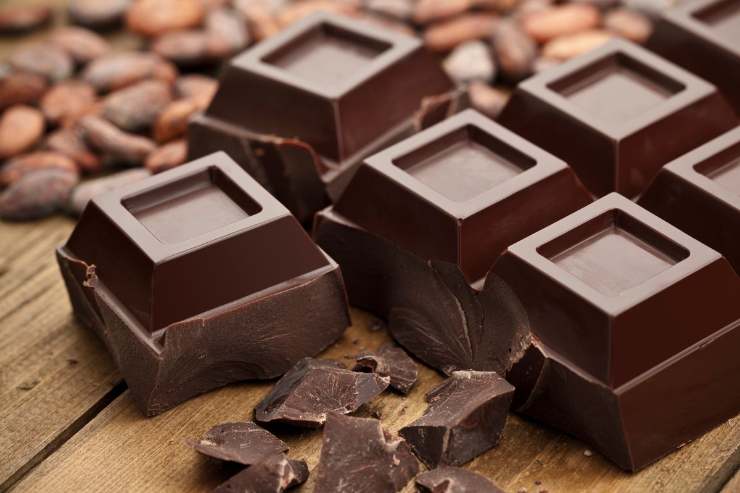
[67,422]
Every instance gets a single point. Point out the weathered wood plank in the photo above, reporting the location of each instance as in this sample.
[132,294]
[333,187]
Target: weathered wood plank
[733,485]
[54,376]
[140,454]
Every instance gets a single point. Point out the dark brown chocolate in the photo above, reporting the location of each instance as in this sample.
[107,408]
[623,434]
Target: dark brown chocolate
[313,388]
[700,194]
[465,417]
[274,474]
[181,274]
[617,114]
[454,480]
[242,442]
[390,361]
[635,325]
[358,455]
[301,109]
[704,37]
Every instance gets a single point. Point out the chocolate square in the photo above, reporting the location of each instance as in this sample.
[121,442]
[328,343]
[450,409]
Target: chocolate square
[700,193]
[616,290]
[460,191]
[617,114]
[704,37]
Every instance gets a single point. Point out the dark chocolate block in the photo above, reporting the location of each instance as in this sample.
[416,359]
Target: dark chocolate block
[454,480]
[274,474]
[704,37]
[465,417]
[301,109]
[313,388]
[181,274]
[357,454]
[617,114]
[617,290]
[244,443]
[460,191]
[393,362]
[700,193]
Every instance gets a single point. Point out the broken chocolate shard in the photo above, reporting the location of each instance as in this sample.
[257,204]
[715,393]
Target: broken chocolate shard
[390,361]
[359,456]
[275,474]
[313,388]
[243,443]
[465,417]
[454,480]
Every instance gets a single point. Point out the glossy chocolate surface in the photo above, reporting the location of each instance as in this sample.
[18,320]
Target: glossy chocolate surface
[242,442]
[454,480]
[460,191]
[393,362]
[274,474]
[704,37]
[700,194]
[616,290]
[617,114]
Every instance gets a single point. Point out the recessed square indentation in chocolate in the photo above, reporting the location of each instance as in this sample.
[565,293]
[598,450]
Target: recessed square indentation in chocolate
[618,257]
[726,174]
[327,54]
[617,88]
[723,17]
[464,163]
[192,206]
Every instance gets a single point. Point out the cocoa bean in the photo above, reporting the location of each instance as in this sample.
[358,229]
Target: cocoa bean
[573,45]
[260,17]
[188,48]
[173,121]
[426,11]
[503,6]
[487,99]
[81,44]
[23,18]
[401,10]
[24,164]
[444,36]
[83,192]
[514,51]
[44,59]
[227,32]
[67,101]
[98,14]
[156,17]
[118,70]
[470,61]
[168,156]
[135,108]
[20,88]
[21,127]
[69,142]
[199,88]
[629,24]
[562,20]
[116,145]
[37,194]
[294,12]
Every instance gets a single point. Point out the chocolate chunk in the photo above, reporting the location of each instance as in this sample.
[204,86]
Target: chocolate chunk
[393,362]
[454,480]
[313,388]
[465,417]
[357,454]
[243,442]
[275,474]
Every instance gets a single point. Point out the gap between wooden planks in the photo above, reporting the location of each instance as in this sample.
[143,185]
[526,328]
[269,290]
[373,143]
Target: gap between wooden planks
[59,390]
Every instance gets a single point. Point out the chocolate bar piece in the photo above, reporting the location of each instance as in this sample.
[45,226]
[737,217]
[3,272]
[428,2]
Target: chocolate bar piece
[465,417]
[300,110]
[617,114]
[357,454]
[244,443]
[313,388]
[634,324]
[274,474]
[704,37]
[700,193]
[454,480]
[183,274]
[393,362]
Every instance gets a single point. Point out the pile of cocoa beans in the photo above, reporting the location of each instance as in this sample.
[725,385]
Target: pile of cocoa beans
[75,105]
